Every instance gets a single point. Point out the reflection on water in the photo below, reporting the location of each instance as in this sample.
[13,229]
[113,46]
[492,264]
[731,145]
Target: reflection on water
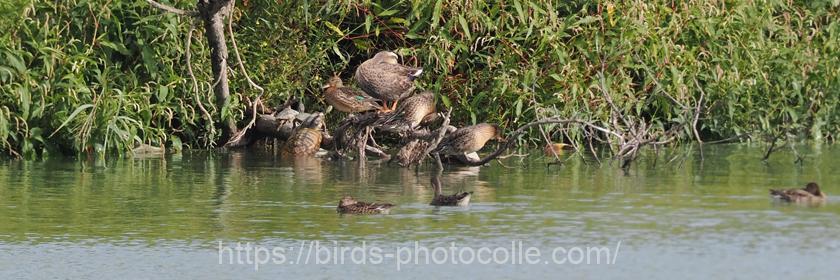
[141,217]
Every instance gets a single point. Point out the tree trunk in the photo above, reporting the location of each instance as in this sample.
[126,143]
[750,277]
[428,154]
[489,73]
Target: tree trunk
[213,13]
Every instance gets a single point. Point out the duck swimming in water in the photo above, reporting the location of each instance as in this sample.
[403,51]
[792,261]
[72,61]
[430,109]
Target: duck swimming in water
[440,199]
[349,205]
[811,193]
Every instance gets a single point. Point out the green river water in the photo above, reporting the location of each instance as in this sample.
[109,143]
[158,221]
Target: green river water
[167,218]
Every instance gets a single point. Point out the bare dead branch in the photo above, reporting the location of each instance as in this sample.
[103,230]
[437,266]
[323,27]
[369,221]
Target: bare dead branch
[440,133]
[172,9]
[378,152]
[770,149]
[730,139]
[697,112]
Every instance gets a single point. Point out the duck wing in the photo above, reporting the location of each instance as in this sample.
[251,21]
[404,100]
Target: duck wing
[387,81]
[452,200]
[414,110]
[455,142]
[352,100]
[304,141]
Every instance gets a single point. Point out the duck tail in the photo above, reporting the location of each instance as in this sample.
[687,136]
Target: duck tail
[780,194]
[414,74]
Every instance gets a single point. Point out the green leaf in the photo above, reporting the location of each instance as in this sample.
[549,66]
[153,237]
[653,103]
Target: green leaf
[338,52]
[436,13]
[519,11]
[386,13]
[16,63]
[445,101]
[70,118]
[163,93]
[177,145]
[586,20]
[150,61]
[334,28]
[25,101]
[36,134]
[397,20]
[118,47]
[4,128]
[362,44]
[465,26]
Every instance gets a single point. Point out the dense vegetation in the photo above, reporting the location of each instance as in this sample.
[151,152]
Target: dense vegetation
[100,76]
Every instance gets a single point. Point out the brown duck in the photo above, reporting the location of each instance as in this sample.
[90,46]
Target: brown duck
[306,139]
[468,139]
[349,205]
[347,99]
[552,149]
[811,193]
[440,199]
[384,78]
[417,109]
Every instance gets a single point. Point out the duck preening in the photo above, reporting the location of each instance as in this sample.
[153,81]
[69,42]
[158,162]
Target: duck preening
[347,99]
[349,205]
[468,139]
[384,78]
[811,193]
[417,109]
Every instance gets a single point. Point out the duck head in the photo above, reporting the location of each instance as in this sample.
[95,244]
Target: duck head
[347,201]
[387,57]
[335,81]
[497,133]
[812,188]
[316,121]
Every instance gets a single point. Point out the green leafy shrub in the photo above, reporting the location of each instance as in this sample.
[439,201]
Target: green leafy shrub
[102,76]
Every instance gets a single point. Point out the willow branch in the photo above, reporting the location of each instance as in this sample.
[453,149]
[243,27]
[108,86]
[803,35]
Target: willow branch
[195,81]
[251,83]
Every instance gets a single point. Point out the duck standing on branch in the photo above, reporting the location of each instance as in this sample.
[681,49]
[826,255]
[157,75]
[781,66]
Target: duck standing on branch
[417,109]
[347,99]
[468,139]
[384,78]
[349,205]
[811,193]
